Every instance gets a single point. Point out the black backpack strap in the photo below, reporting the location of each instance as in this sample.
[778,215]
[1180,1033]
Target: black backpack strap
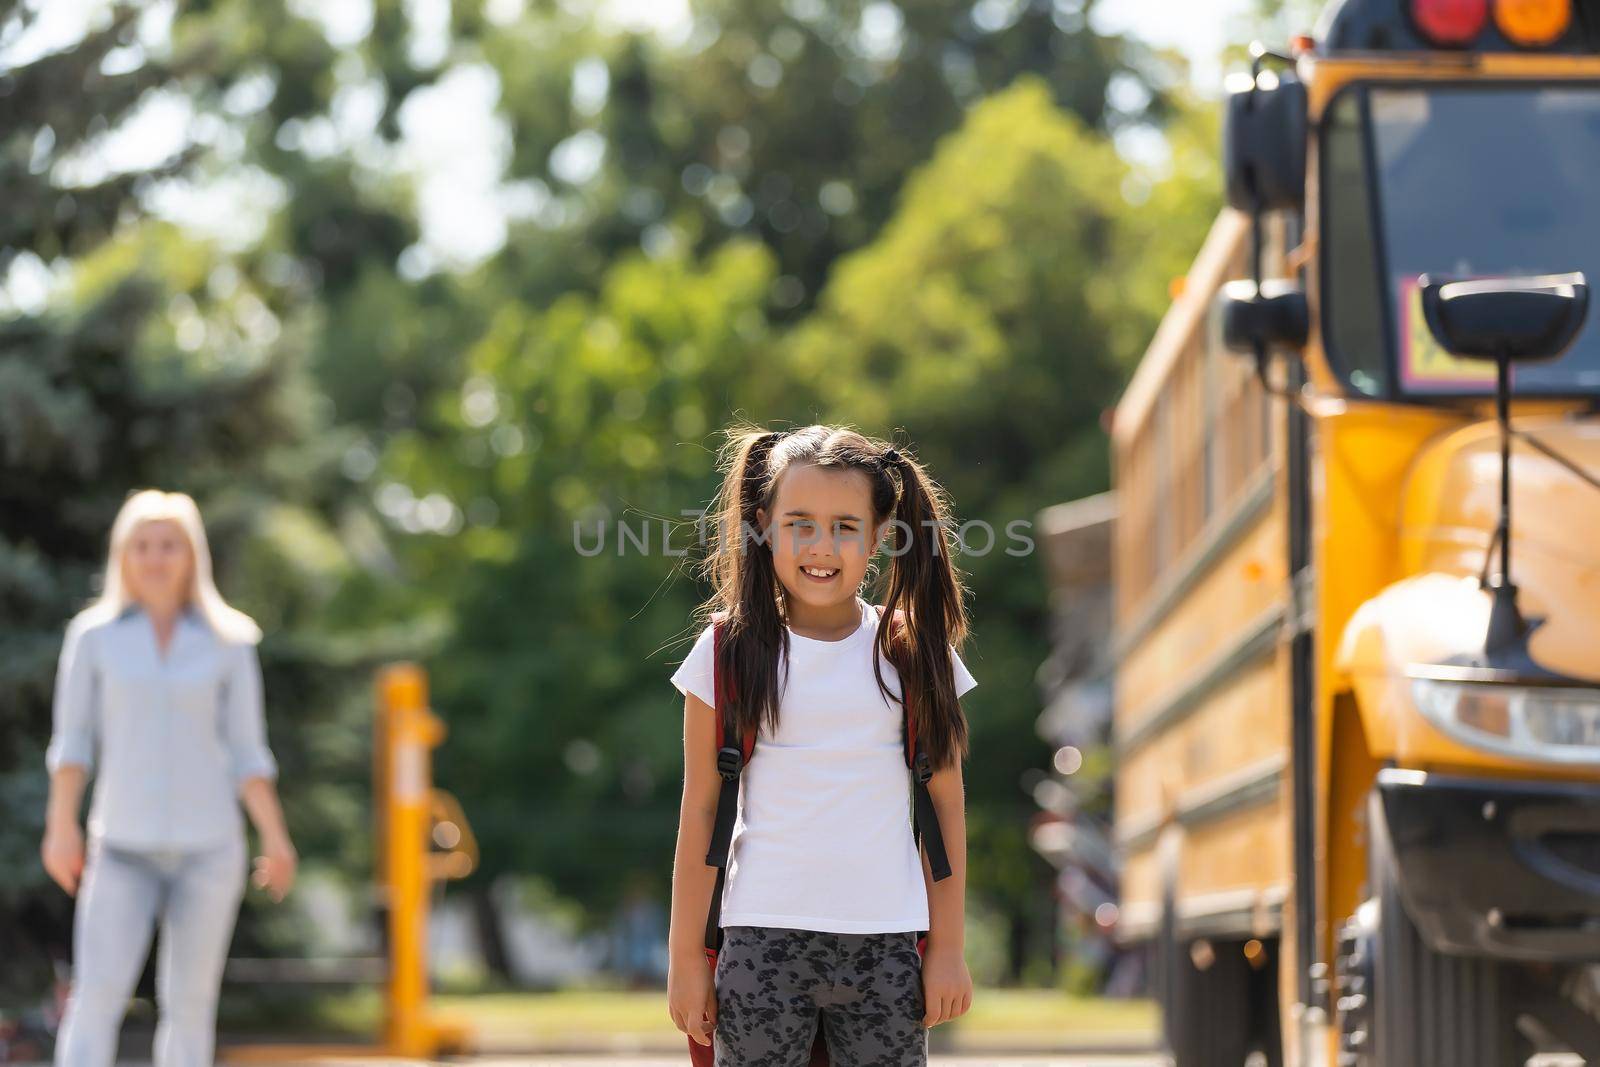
[730,761]
[926,821]
[925,829]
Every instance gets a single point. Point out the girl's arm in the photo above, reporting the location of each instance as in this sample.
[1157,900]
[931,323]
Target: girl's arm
[691,998]
[947,985]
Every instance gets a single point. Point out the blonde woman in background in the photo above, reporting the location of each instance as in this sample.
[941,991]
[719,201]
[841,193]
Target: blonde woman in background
[158,694]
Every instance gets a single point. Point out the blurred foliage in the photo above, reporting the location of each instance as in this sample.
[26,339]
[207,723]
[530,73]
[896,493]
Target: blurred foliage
[563,748]
[796,122]
[167,359]
[909,219]
[1272,23]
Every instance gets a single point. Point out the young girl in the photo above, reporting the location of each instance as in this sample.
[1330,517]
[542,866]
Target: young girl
[826,889]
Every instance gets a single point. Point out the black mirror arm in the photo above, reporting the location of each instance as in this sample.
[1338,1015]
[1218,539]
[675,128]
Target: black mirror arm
[1506,624]
[1259,54]
[1565,461]
[1266,382]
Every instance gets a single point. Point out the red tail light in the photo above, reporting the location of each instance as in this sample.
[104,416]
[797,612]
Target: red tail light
[1450,23]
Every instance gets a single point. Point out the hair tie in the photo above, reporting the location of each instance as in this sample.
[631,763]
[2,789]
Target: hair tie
[890,457]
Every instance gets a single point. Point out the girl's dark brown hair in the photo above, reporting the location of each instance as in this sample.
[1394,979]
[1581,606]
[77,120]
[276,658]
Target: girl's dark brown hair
[922,578]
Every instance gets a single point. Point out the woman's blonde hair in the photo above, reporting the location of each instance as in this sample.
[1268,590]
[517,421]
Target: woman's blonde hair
[147,505]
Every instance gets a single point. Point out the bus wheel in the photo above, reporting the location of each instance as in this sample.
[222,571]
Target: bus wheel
[1400,1003]
[1205,1001]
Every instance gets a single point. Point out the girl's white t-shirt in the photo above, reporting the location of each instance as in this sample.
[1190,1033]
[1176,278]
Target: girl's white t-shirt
[823,835]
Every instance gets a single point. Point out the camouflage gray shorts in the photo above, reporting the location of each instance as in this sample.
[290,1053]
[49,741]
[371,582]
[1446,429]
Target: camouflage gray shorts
[775,985]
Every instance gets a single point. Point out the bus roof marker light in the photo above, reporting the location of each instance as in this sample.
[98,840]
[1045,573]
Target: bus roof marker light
[1533,23]
[1450,23]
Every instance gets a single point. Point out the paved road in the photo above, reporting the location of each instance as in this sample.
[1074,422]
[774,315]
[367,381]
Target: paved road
[937,1060]
[962,1060]
[604,1060]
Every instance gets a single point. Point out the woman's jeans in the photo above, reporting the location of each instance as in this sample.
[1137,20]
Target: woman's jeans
[194,895]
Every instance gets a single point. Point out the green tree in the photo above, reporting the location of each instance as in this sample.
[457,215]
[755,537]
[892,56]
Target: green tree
[1168,207]
[157,358]
[795,123]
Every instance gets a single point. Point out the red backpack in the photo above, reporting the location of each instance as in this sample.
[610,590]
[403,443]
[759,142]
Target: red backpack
[731,760]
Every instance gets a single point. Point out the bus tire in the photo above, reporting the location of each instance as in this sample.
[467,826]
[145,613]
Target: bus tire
[1400,1003]
[1205,1012]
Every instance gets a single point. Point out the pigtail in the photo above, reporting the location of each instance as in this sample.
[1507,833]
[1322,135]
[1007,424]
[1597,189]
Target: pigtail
[745,589]
[925,585]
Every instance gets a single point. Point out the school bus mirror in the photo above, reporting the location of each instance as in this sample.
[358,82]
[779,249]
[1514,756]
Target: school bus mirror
[1275,316]
[1525,318]
[1264,142]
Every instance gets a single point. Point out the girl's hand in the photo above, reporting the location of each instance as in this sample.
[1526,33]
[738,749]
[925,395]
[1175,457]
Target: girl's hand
[946,986]
[62,853]
[275,867]
[691,996]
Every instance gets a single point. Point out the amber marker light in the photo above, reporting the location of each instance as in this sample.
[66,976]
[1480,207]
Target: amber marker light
[1533,23]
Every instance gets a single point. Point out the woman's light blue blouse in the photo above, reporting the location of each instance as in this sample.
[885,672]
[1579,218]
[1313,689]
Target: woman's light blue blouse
[168,738]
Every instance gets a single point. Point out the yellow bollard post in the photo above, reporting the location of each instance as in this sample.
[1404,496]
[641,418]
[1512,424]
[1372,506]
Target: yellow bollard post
[410,732]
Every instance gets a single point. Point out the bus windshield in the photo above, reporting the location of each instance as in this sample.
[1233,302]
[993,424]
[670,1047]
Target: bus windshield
[1469,181]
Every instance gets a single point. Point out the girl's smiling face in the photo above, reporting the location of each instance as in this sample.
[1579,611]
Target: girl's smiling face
[821,533]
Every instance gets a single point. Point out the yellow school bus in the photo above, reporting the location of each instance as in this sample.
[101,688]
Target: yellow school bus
[1357,560]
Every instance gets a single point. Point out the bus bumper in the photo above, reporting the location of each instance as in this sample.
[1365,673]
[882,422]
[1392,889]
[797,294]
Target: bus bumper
[1497,867]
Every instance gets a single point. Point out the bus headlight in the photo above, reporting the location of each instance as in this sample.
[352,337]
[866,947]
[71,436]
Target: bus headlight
[1541,722]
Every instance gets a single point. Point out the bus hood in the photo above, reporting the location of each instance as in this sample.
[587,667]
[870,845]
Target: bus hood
[1448,514]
